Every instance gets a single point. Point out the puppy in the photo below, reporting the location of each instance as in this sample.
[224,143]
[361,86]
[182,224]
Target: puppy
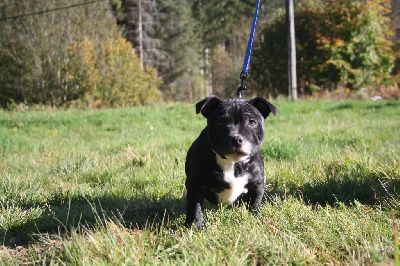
[224,163]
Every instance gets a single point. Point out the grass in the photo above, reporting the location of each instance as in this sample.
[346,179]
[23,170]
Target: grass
[107,186]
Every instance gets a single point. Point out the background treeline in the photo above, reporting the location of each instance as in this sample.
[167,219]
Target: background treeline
[73,55]
[184,50]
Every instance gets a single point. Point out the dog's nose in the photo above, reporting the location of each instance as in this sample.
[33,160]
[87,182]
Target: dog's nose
[236,141]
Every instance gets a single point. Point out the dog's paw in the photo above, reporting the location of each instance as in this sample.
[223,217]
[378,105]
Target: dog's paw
[196,225]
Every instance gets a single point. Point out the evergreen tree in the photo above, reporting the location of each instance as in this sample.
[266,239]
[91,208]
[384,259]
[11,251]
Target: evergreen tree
[139,28]
[181,67]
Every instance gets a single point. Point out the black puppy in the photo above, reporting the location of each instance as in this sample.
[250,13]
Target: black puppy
[224,163]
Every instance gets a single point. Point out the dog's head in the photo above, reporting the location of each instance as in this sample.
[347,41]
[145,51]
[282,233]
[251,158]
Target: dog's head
[235,128]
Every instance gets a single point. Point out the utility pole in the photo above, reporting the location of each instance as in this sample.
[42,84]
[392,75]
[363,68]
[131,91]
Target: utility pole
[140,33]
[291,41]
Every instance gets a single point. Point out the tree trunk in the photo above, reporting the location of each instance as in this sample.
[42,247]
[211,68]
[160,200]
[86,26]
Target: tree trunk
[292,75]
[208,72]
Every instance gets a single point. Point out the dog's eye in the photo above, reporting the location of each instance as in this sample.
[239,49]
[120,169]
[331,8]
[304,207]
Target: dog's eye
[220,123]
[252,123]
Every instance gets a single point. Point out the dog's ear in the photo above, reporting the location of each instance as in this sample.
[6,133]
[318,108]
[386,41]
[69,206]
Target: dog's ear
[207,105]
[264,106]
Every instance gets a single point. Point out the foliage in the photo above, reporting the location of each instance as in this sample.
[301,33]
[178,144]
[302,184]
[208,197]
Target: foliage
[338,42]
[224,31]
[176,36]
[195,47]
[181,66]
[225,72]
[111,75]
[218,19]
[107,187]
[38,65]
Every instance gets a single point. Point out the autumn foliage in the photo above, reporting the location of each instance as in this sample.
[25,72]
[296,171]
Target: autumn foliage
[341,43]
[110,75]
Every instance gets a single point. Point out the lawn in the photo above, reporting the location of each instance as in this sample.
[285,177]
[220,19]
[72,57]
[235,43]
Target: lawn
[107,187]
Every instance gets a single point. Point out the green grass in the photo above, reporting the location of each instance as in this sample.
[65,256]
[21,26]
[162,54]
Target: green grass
[107,186]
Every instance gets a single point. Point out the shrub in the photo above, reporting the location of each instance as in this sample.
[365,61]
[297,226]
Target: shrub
[111,74]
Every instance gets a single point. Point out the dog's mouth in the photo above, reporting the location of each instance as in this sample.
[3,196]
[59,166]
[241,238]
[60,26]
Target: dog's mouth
[237,156]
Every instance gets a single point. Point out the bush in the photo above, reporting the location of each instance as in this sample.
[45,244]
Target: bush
[111,74]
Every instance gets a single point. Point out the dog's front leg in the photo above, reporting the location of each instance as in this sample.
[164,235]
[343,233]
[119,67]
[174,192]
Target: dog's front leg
[194,201]
[256,193]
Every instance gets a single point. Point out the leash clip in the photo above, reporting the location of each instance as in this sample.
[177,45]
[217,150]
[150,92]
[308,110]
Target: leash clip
[241,88]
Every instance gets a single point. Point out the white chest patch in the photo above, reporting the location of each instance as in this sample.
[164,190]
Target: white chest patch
[237,184]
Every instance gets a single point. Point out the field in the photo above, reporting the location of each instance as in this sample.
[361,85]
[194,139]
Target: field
[91,187]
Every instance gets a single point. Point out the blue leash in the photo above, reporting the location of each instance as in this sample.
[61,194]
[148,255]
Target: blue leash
[246,63]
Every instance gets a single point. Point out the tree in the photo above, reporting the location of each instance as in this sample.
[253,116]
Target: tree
[181,67]
[169,43]
[198,46]
[224,30]
[72,52]
[36,48]
[139,27]
[343,42]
